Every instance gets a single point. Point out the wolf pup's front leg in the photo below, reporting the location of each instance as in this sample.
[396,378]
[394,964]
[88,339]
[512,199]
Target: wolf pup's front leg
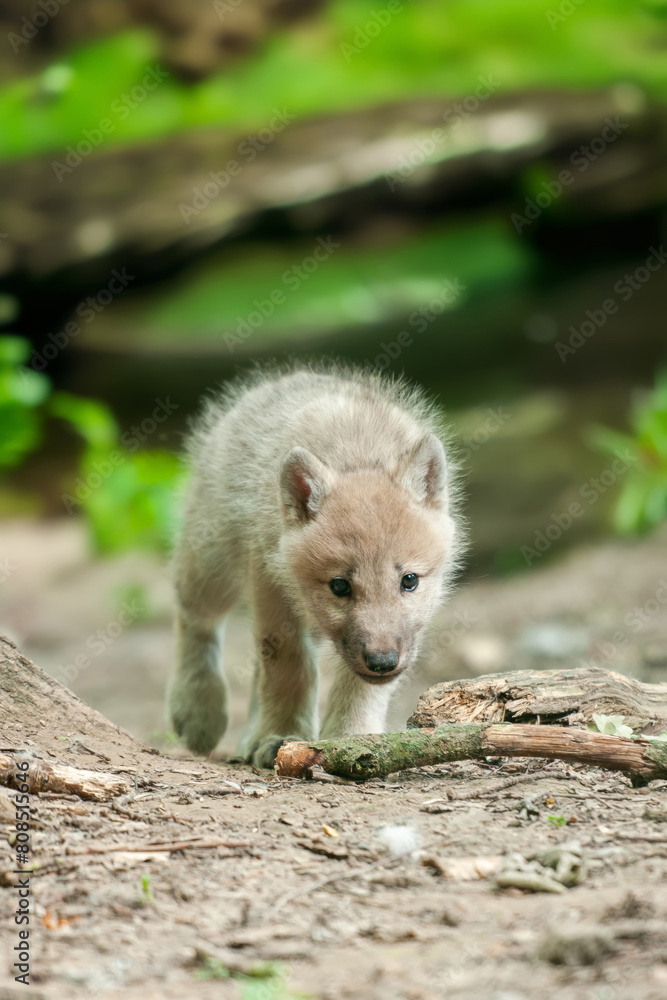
[285,692]
[198,691]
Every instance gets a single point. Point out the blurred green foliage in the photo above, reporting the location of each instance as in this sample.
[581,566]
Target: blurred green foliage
[427,48]
[331,63]
[128,499]
[22,393]
[353,287]
[642,504]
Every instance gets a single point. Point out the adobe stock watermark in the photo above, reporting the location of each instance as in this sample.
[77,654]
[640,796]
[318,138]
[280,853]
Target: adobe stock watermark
[365,33]
[22,848]
[635,620]
[31,26]
[270,646]
[100,640]
[419,320]
[452,981]
[87,310]
[223,7]
[564,10]
[105,467]
[493,421]
[246,151]
[590,492]
[291,279]
[581,160]
[625,288]
[443,639]
[425,148]
[121,108]
[7,567]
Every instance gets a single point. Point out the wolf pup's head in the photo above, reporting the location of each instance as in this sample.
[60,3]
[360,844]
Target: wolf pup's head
[369,553]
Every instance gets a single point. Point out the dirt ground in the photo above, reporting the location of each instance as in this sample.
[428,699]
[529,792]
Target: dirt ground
[301,880]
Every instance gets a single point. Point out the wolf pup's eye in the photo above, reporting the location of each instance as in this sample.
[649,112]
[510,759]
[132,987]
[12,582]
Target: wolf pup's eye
[410,581]
[340,587]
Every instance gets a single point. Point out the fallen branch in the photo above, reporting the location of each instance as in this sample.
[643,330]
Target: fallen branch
[44,777]
[373,756]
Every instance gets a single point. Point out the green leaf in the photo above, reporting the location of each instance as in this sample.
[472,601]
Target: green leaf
[13,350]
[629,512]
[612,725]
[27,387]
[642,503]
[21,433]
[132,501]
[609,441]
[93,420]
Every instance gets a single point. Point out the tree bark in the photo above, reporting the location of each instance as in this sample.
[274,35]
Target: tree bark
[364,757]
[547,696]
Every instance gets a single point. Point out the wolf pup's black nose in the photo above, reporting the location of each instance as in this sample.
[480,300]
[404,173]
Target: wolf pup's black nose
[382,663]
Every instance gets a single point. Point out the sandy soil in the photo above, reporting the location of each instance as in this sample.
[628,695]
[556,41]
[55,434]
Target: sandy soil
[136,923]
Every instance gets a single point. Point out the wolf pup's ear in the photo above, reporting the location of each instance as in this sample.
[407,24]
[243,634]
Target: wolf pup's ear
[424,471]
[304,483]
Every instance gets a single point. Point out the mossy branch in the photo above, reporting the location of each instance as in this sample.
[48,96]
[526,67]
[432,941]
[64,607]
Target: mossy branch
[373,756]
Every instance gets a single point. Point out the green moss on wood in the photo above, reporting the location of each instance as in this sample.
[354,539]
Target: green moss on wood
[657,753]
[364,757]
[373,756]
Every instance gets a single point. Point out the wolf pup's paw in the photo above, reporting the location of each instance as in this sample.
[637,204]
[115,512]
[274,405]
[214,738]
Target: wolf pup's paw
[198,709]
[264,753]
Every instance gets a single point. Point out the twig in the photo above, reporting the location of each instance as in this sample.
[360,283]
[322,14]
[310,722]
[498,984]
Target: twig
[174,845]
[128,813]
[496,786]
[651,838]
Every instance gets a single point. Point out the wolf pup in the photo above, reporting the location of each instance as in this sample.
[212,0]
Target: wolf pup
[326,498]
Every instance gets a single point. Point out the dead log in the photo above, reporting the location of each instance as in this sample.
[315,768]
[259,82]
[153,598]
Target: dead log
[565,697]
[373,756]
[41,776]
